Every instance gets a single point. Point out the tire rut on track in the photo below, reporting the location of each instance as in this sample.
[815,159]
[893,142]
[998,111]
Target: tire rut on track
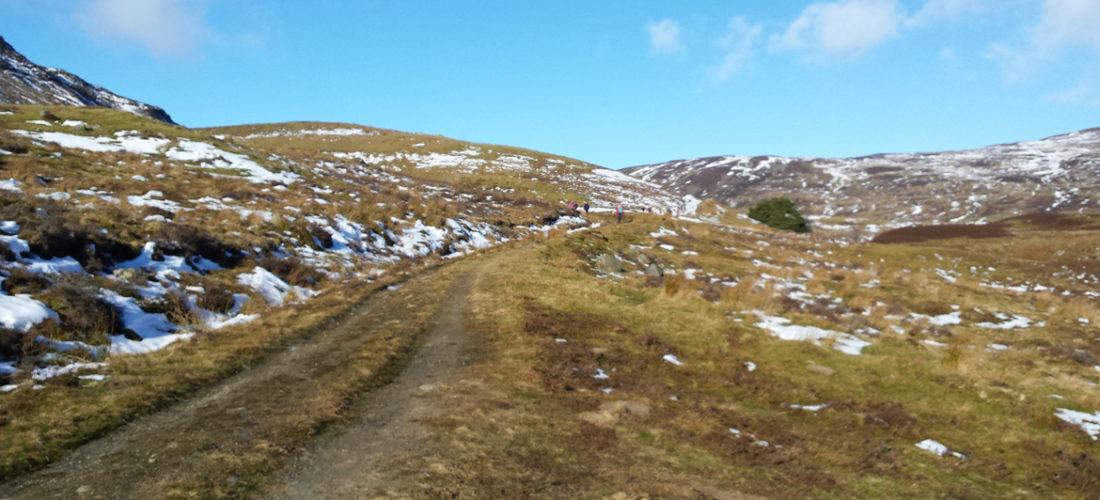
[364,457]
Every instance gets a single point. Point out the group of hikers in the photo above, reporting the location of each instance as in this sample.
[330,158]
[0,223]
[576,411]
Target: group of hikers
[619,210]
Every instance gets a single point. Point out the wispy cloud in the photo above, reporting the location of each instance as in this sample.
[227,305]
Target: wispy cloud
[664,37]
[844,29]
[737,44]
[950,10]
[1082,93]
[1062,24]
[167,29]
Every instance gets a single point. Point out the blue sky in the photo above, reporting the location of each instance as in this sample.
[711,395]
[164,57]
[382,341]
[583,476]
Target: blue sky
[617,83]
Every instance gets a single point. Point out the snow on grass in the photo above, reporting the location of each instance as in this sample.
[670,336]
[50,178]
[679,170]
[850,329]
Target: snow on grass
[662,232]
[71,345]
[954,318]
[55,196]
[948,276]
[101,194]
[9,227]
[153,199]
[750,366]
[217,323]
[933,446]
[671,358]
[600,375]
[1008,322]
[166,269]
[11,185]
[339,131]
[21,312]
[813,408]
[273,288]
[1090,423]
[51,371]
[123,141]
[782,328]
[691,204]
[209,156]
[54,266]
[155,330]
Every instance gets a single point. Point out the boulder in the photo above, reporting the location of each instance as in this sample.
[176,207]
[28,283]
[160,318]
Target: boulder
[609,263]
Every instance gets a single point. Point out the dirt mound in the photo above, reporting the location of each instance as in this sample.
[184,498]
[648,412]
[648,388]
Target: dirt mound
[916,234]
[1056,221]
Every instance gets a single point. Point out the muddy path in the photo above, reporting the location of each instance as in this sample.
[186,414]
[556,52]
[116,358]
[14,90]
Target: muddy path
[202,445]
[367,457]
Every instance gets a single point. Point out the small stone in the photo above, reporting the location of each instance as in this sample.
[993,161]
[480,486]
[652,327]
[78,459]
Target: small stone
[128,274]
[654,271]
[821,370]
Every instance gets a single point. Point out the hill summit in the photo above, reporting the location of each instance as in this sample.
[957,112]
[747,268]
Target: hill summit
[868,194]
[24,82]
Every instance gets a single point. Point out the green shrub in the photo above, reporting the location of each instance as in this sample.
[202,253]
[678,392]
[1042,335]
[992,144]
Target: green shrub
[780,214]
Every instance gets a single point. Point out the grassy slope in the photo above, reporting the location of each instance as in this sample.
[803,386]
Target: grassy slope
[524,418]
[39,426]
[519,418]
[541,185]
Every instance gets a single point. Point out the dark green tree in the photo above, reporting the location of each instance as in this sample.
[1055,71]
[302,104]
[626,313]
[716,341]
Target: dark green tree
[780,214]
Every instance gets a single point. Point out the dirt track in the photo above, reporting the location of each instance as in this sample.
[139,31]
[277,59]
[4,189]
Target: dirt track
[159,455]
[361,459]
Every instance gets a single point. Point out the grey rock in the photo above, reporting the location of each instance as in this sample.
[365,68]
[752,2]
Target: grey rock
[609,263]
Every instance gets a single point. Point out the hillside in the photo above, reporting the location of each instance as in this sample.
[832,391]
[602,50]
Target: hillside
[238,295]
[24,82]
[861,196]
[161,231]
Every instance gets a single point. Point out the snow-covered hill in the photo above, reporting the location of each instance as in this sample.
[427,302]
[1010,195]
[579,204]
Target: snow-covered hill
[24,82]
[864,194]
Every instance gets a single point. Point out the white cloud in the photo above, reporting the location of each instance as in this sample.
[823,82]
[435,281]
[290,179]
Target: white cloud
[1083,92]
[738,44]
[165,28]
[941,10]
[664,36]
[844,28]
[1062,24]
[1070,22]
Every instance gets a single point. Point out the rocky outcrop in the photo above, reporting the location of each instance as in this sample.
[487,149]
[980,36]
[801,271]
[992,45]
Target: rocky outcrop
[24,82]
